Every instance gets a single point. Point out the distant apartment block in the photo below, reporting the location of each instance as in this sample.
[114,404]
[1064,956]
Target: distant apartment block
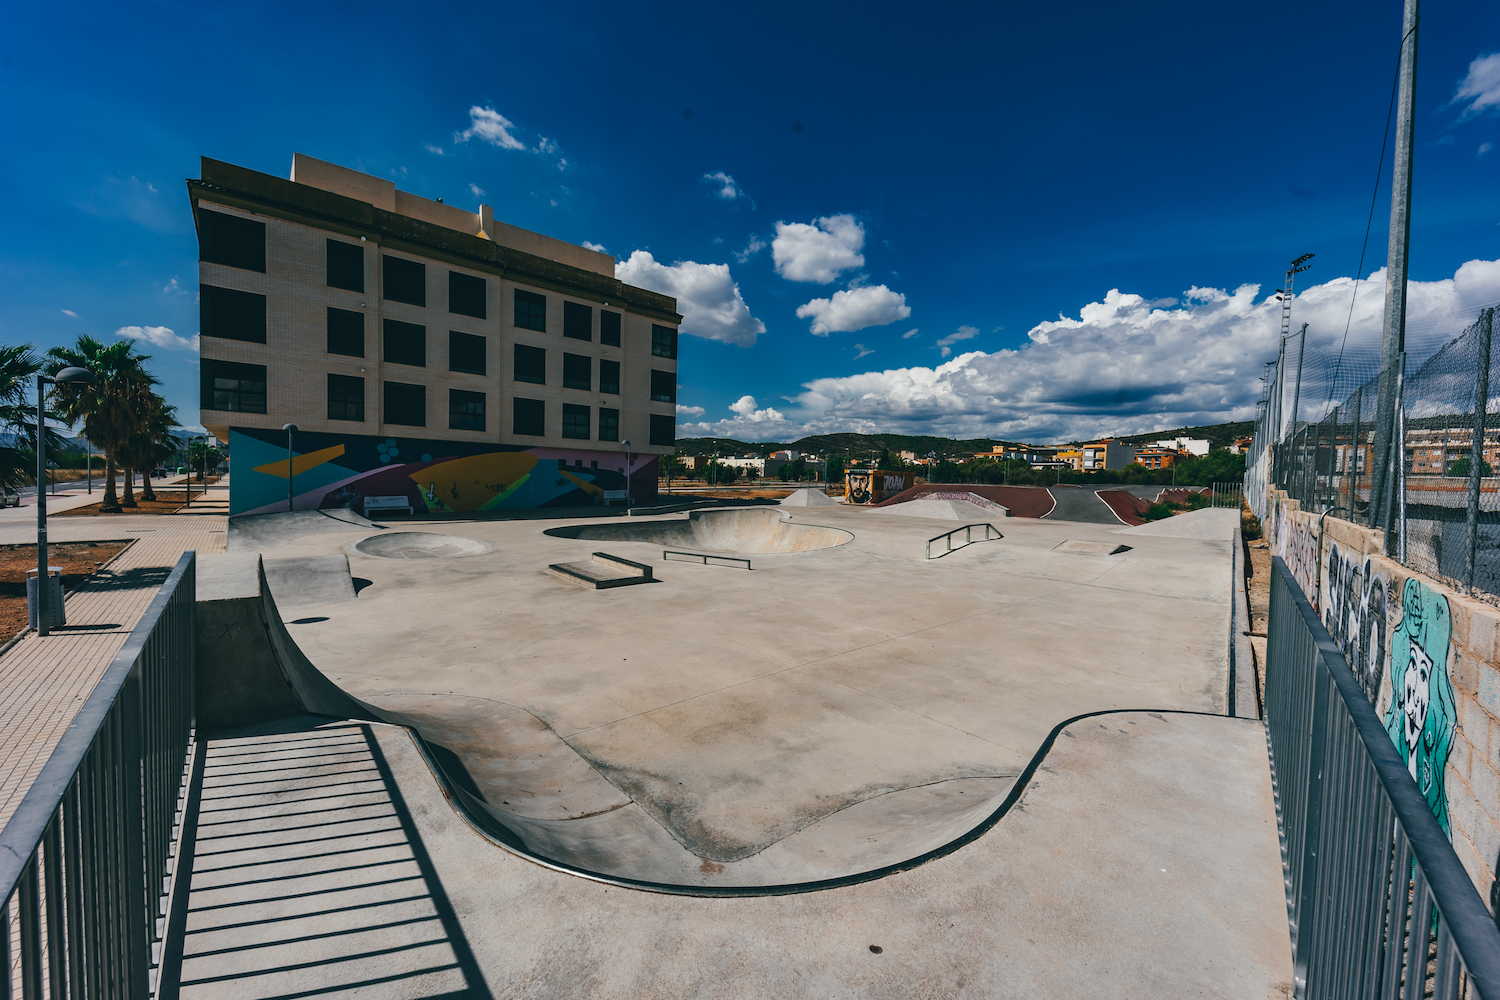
[1104,455]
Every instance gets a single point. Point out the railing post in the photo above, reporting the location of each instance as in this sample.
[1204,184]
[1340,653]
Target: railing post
[1307,902]
[136,910]
[1476,451]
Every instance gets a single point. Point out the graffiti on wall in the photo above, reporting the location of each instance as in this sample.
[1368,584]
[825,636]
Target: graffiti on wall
[1354,613]
[1296,541]
[1421,717]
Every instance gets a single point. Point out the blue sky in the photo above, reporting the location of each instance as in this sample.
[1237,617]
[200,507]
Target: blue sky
[979,172]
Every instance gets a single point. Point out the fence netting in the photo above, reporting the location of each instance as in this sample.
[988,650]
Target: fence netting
[1393,449]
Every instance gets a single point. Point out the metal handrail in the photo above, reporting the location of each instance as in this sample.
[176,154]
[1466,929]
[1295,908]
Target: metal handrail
[968,530]
[702,557]
[1371,878]
[86,854]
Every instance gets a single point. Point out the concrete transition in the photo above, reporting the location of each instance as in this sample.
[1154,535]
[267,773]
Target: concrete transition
[420,545]
[603,572]
[808,498]
[257,532]
[946,510]
[737,530]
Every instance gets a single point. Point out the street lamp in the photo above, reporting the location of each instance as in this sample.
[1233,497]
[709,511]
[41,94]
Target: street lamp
[629,468]
[68,376]
[290,430]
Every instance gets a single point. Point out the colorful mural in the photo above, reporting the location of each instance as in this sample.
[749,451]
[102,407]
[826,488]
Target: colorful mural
[1421,718]
[337,470]
[1296,542]
[1354,613]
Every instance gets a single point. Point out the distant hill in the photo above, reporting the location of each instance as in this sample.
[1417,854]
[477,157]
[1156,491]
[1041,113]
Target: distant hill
[1218,435]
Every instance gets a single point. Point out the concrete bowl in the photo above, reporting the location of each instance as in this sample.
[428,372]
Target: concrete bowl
[419,545]
[748,530]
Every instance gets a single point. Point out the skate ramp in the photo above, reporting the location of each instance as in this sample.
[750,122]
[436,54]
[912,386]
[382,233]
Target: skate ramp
[946,510]
[749,530]
[310,579]
[257,532]
[808,498]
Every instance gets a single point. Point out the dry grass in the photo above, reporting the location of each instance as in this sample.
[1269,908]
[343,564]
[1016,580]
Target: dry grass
[77,560]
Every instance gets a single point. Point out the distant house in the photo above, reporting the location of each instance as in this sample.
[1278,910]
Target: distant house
[1156,457]
[1109,454]
[1197,447]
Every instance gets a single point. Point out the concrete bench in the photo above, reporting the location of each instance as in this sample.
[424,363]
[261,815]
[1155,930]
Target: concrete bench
[610,496]
[375,505]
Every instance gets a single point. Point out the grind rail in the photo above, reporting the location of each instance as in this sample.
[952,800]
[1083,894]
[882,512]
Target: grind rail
[990,531]
[84,859]
[1378,903]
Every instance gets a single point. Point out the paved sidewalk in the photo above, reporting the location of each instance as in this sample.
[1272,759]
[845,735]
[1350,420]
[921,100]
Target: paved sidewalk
[43,682]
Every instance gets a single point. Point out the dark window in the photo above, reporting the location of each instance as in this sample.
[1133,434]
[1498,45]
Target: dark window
[530,416]
[229,385]
[609,376]
[405,344]
[663,341]
[346,397]
[609,424]
[663,387]
[228,239]
[578,372]
[465,410]
[406,404]
[531,310]
[231,314]
[609,328]
[405,280]
[578,321]
[531,364]
[466,294]
[346,266]
[575,421]
[346,332]
[465,353]
[663,429]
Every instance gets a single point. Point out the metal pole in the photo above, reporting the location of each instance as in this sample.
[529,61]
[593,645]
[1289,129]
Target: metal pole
[43,618]
[1476,453]
[1399,508]
[88,451]
[290,430]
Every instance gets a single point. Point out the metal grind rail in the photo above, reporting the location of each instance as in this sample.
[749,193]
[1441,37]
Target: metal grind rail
[84,859]
[704,558]
[990,532]
[1379,904]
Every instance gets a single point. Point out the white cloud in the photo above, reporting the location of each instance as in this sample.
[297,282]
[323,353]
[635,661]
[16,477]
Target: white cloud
[435,150]
[945,344]
[491,126]
[546,145]
[1123,366]
[755,246]
[909,333]
[708,298]
[1481,87]
[820,251]
[1485,147]
[476,189]
[596,247]
[863,350]
[159,336]
[724,186]
[855,309]
[69,312]
[689,411]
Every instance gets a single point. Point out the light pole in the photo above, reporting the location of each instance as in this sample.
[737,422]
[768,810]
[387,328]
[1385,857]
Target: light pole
[290,430]
[629,468]
[68,376]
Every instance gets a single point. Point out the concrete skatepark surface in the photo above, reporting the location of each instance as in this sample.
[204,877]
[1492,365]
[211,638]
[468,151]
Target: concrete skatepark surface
[752,530]
[838,710]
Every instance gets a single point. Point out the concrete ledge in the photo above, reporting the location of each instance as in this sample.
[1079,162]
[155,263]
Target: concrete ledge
[603,572]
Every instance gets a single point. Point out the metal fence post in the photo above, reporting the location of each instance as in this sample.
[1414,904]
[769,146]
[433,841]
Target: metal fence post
[1356,454]
[1307,905]
[1476,452]
[1399,451]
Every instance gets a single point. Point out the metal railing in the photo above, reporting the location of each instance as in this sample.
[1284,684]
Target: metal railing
[990,531]
[703,558]
[1378,903]
[84,859]
[1226,495]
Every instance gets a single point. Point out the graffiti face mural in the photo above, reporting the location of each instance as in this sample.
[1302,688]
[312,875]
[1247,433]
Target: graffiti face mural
[1355,615]
[1422,718]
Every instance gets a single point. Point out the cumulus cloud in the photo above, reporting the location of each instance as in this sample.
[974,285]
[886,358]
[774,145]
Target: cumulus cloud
[855,309]
[159,336]
[1125,366]
[945,344]
[862,351]
[69,312]
[724,186]
[476,190]
[910,333]
[818,252]
[708,298]
[1480,89]
[689,411]
[492,127]
[596,247]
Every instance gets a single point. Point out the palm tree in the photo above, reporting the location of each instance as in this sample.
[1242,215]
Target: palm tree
[113,409]
[18,367]
[150,445]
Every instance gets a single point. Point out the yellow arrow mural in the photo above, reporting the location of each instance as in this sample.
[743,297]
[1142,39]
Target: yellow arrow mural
[302,463]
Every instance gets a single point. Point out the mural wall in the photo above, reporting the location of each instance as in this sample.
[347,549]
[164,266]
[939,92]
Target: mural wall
[1354,612]
[1421,716]
[339,470]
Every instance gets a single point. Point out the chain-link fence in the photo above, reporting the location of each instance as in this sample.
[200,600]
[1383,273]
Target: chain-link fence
[1412,454]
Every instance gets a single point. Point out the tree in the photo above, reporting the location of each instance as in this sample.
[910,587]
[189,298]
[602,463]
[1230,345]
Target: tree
[18,368]
[202,457]
[152,444]
[833,471]
[112,409]
[1460,469]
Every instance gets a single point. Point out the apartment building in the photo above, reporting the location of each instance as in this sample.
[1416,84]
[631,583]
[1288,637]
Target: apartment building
[421,350]
[1107,454]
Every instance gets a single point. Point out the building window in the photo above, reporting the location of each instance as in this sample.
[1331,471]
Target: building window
[531,310]
[609,424]
[405,280]
[609,328]
[346,332]
[531,364]
[405,344]
[466,353]
[346,266]
[663,341]
[575,421]
[609,376]
[663,387]
[466,295]
[231,314]
[346,397]
[529,416]
[229,385]
[465,410]
[406,404]
[578,372]
[578,321]
[663,429]
[231,240]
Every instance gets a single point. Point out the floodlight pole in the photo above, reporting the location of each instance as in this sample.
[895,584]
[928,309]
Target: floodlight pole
[290,430]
